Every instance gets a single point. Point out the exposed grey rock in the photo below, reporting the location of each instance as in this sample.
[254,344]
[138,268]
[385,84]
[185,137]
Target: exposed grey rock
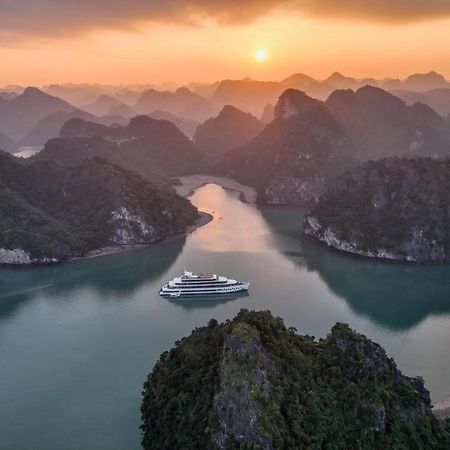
[395,209]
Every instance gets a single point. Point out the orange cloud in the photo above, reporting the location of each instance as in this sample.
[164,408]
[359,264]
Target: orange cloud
[50,17]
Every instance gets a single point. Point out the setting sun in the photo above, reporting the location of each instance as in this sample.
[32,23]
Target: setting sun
[261,55]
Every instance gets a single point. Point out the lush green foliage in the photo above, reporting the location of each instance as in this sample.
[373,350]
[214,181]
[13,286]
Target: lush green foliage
[397,204]
[57,211]
[341,392]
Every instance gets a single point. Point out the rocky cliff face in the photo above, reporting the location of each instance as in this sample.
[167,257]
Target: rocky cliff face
[381,125]
[253,383]
[296,155]
[395,208]
[50,212]
[231,128]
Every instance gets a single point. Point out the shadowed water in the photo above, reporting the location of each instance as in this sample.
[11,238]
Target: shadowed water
[77,340]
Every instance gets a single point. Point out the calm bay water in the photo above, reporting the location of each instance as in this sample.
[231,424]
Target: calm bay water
[77,340]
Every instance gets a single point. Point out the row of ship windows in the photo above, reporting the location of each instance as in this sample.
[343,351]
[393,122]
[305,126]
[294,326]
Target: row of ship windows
[201,285]
[201,281]
[191,290]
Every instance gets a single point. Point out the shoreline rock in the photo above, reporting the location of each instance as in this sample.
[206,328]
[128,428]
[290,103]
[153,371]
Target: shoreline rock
[395,209]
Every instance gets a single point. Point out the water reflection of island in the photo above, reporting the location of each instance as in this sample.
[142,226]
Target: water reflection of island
[397,296]
[114,276]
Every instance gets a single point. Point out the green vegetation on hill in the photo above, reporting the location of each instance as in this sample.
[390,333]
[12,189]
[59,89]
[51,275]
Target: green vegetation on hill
[52,211]
[298,155]
[395,208]
[155,149]
[251,383]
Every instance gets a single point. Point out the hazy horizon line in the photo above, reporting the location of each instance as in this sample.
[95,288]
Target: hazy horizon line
[177,84]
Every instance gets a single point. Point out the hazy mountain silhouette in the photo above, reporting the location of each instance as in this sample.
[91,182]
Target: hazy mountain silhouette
[153,148]
[339,81]
[8,95]
[438,99]
[268,113]
[103,105]
[122,110]
[418,82]
[206,90]
[382,125]
[19,115]
[298,79]
[248,95]
[50,126]
[7,144]
[230,129]
[182,103]
[187,126]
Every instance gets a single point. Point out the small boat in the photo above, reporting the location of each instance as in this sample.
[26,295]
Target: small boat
[203,284]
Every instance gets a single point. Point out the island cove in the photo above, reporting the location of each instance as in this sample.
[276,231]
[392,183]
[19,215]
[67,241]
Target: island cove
[59,213]
[399,230]
[107,311]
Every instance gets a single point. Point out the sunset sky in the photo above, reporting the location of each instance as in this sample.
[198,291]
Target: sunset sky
[138,41]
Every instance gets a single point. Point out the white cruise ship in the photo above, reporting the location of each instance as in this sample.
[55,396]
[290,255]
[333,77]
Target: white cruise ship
[191,285]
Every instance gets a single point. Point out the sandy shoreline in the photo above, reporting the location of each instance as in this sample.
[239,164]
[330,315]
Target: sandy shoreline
[192,182]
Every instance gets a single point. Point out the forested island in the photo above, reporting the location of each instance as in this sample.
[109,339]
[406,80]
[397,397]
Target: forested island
[395,208]
[253,383]
[51,212]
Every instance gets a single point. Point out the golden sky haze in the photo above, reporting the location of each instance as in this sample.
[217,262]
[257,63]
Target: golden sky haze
[158,52]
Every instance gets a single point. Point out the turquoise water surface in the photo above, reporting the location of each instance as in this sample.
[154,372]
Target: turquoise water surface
[78,340]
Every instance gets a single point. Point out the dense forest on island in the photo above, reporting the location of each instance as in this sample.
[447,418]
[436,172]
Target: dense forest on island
[253,383]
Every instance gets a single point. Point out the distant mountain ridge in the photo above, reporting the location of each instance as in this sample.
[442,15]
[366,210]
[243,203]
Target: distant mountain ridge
[186,126]
[105,104]
[230,129]
[155,149]
[19,115]
[182,103]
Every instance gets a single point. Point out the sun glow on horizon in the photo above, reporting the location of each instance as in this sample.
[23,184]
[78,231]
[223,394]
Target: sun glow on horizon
[261,55]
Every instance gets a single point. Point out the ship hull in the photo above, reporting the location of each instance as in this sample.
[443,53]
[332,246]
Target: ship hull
[173,293]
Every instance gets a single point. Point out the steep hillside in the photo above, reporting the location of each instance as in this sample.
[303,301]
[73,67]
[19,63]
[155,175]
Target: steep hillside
[50,212]
[7,144]
[152,148]
[19,115]
[296,156]
[230,129]
[382,125]
[186,126]
[309,142]
[396,209]
[251,383]
[50,126]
